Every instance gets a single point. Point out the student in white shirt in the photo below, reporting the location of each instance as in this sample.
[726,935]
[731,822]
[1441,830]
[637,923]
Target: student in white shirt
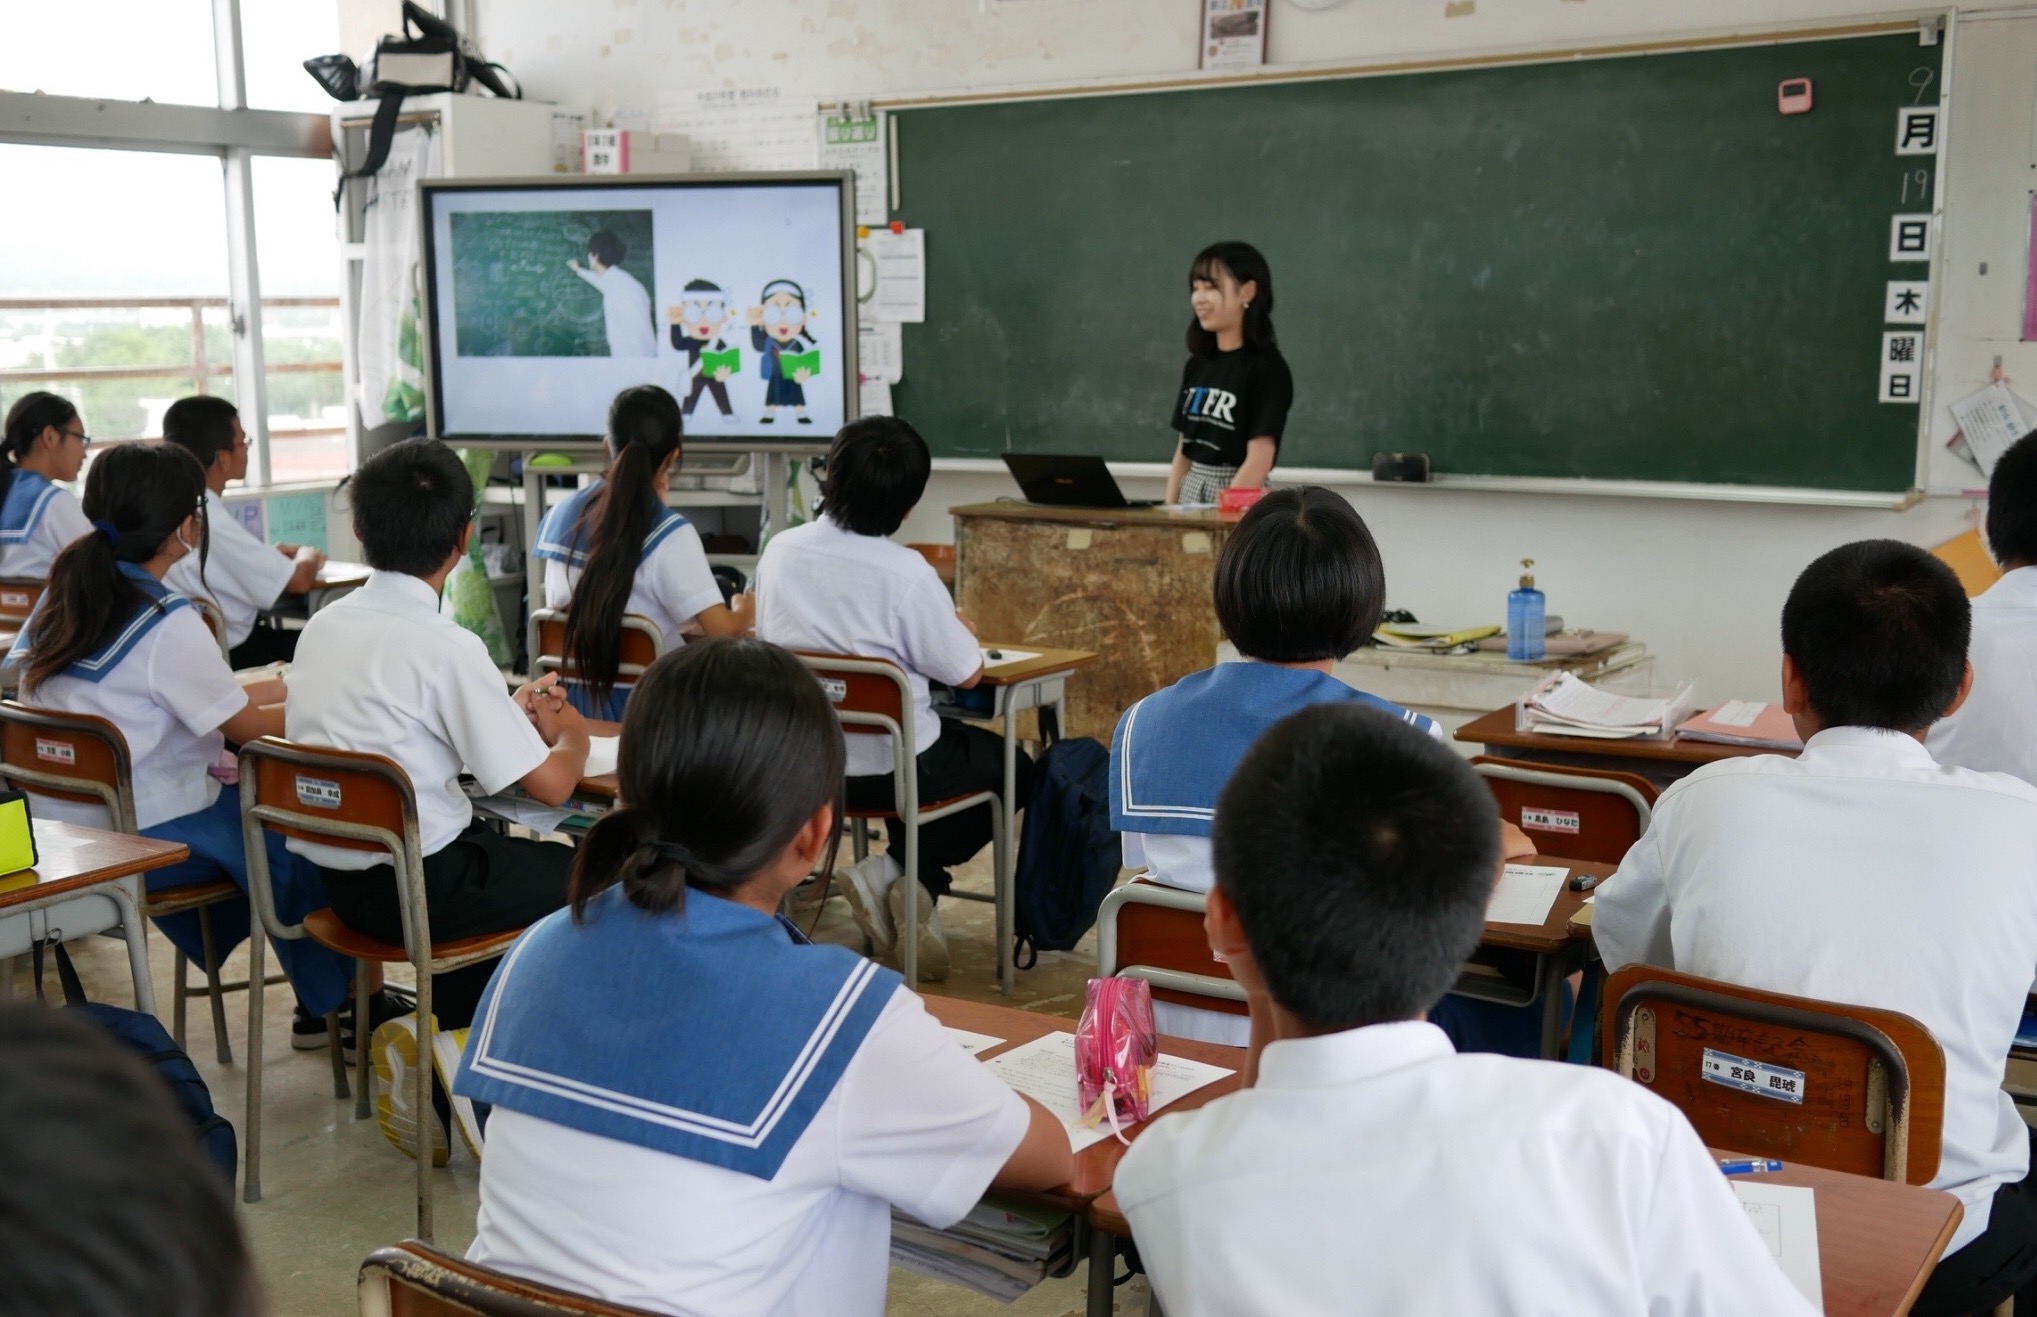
[1367,1167]
[839,586]
[730,1134]
[385,672]
[625,306]
[110,639]
[1864,872]
[1995,730]
[42,447]
[617,548]
[240,573]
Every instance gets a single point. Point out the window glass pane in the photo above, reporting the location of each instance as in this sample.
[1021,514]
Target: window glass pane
[130,50]
[277,36]
[300,267]
[88,293]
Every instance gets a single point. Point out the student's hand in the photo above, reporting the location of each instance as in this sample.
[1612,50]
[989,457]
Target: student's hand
[308,554]
[721,374]
[573,265]
[963,618]
[560,722]
[802,375]
[308,560]
[532,694]
[287,550]
[744,607]
[1513,843]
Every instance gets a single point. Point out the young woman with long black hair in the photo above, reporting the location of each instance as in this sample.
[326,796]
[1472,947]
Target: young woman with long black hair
[695,1110]
[108,638]
[1235,388]
[43,443]
[615,548]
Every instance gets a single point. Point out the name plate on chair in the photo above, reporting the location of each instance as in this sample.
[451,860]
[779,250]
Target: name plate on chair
[1551,820]
[56,752]
[318,793]
[13,599]
[835,688]
[1754,1076]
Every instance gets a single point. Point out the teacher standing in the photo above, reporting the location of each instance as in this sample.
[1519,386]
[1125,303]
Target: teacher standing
[1236,388]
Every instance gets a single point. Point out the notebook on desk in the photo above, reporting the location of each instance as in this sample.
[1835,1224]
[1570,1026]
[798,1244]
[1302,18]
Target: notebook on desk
[1744,722]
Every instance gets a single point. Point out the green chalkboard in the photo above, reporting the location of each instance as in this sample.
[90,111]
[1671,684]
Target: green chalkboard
[1630,268]
[514,293]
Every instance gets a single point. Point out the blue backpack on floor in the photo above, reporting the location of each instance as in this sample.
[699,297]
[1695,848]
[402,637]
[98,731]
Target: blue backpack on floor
[1068,855]
[146,1035]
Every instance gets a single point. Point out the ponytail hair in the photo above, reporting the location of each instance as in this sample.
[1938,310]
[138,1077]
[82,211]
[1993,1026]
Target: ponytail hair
[728,748]
[643,430]
[31,414]
[136,496]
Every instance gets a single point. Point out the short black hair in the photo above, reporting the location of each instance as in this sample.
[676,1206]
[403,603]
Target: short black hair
[411,502]
[110,1207]
[1299,579]
[701,286]
[2012,505]
[1878,632]
[605,247]
[1360,856]
[876,472]
[202,426]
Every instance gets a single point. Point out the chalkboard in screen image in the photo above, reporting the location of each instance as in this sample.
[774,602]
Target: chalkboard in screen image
[514,293]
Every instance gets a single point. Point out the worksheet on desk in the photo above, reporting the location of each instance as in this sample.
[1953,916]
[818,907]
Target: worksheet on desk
[601,752]
[972,1043]
[1001,657]
[1044,1070]
[1786,1218]
[1525,893]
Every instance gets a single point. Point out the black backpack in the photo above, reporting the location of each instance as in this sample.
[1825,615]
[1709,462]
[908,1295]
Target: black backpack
[1068,855]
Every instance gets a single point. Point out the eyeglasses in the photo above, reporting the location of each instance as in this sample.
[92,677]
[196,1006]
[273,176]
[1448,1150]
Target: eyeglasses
[784,315]
[85,440]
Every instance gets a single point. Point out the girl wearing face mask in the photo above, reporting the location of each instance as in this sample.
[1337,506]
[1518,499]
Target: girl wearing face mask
[109,639]
[1235,389]
[43,443]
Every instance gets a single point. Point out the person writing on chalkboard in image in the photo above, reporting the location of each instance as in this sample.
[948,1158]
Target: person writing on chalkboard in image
[1235,389]
[625,306]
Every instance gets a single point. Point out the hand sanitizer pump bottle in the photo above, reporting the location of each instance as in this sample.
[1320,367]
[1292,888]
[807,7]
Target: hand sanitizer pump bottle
[1525,611]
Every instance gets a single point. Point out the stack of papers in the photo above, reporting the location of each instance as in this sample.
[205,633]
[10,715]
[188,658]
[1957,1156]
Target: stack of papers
[1436,639]
[1744,722]
[1002,1248]
[1565,706]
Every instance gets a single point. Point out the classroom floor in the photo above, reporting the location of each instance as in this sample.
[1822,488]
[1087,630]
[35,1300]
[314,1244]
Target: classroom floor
[334,1190]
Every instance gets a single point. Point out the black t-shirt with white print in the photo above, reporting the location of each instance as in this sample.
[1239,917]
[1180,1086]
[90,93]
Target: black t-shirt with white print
[1228,398]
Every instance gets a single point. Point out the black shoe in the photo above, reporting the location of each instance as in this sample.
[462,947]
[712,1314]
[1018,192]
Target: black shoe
[307,1031]
[766,420]
[806,420]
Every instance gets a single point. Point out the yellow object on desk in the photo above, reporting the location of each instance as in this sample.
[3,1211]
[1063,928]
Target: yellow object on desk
[17,837]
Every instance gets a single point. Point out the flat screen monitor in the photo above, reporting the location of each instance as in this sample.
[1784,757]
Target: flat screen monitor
[545,298]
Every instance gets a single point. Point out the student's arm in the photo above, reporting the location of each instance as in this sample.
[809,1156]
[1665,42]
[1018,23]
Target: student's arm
[977,676]
[682,581]
[1177,471]
[1513,843]
[188,676]
[253,722]
[1043,1158]
[556,779]
[935,638]
[309,560]
[1258,463]
[737,618]
[1632,918]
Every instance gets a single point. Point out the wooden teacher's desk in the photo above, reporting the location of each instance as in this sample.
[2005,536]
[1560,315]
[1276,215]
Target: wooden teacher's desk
[1661,762]
[1131,585]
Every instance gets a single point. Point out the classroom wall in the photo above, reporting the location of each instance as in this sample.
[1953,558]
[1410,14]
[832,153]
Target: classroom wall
[1701,583]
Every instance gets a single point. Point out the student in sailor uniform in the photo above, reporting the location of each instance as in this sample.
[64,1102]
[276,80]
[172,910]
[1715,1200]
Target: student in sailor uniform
[1865,871]
[694,1109]
[1299,585]
[44,442]
[616,548]
[242,575]
[779,326]
[1366,1167]
[108,638]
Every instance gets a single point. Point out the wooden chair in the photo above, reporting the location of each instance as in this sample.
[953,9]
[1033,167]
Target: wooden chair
[355,802]
[1578,813]
[1871,1083]
[413,1279]
[1148,931]
[18,597]
[79,757]
[642,643]
[215,622]
[872,697]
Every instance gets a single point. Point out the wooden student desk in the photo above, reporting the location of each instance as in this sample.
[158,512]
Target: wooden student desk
[1877,1241]
[85,881]
[1661,762]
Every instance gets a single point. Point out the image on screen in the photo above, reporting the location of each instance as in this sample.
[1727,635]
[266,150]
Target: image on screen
[544,302]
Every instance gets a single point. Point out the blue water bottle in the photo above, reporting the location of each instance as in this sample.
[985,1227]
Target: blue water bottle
[1525,611]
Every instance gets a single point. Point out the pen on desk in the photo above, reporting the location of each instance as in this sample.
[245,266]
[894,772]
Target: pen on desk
[1748,1165]
[1584,882]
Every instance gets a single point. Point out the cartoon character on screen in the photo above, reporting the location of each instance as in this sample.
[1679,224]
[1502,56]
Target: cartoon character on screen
[625,306]
[700,323]
[788,353]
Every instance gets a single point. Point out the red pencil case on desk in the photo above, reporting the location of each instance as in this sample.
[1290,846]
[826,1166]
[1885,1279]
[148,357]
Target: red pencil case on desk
[1116,1047]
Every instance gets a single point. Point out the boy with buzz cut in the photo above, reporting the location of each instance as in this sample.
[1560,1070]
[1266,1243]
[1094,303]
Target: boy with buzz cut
[1866,872]
[1367,1167]
[385,671]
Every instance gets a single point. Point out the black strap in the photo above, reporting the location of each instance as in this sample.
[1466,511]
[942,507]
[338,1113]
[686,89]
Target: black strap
[1050,725]
[67,974]
[381,132]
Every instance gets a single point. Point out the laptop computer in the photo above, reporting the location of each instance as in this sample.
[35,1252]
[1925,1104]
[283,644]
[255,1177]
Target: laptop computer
[1069,481]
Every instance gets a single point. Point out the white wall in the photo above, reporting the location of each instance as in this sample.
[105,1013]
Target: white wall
[1701,583]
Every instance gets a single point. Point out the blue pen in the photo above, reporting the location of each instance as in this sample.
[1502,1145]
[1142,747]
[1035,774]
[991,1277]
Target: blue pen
[1748,1165]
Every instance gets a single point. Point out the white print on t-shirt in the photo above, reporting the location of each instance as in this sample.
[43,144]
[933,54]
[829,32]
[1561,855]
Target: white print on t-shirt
[1202,403]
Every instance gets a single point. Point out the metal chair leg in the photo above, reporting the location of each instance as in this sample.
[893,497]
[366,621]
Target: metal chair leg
[908,924]
[337,1051]
[425,1116]
[178,980]
[859,839]
[363,1078]
[251,1174]
[221,1046]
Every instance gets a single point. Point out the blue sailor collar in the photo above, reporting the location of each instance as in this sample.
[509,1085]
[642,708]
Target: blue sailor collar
[161,602]
[710,1034]
[565,536]
[28,496]
[1174,750]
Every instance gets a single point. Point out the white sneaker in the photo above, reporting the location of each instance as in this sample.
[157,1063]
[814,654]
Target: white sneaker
[394,1047]
[446,1046]
[866,884]
[933,939]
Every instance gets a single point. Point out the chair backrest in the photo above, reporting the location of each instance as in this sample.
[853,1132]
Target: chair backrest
[1849,1088]
[339,798]
[871,696]
[1578,813]
[642,643]
[215,621]
[413,1279]
[71,756]
[1147,931]
[18,596]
